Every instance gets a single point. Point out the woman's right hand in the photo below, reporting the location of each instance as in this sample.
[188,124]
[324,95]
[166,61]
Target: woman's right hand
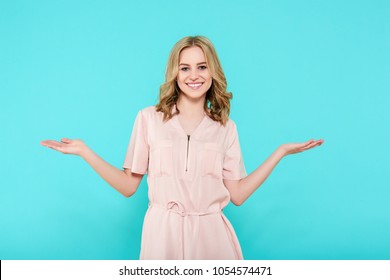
[66,146]
[124,181]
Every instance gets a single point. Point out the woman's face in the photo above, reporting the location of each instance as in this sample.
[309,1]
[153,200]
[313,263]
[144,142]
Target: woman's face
[193,79]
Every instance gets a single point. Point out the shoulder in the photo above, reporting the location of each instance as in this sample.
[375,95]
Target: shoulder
[228,129]
[231,130]
[150,114]
[149,111]
[230,125]
[227,126]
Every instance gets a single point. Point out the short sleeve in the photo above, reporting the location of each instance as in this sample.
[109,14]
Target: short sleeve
[233,163]
[137,155]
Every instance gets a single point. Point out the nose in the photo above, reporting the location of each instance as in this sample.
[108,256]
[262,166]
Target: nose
[194,75]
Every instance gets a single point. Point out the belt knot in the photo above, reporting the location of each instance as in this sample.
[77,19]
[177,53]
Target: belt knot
[176,207]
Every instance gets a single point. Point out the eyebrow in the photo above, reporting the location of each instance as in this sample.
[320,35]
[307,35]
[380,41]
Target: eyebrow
[185,64]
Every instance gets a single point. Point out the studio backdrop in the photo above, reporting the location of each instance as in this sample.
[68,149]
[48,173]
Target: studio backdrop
[297,70]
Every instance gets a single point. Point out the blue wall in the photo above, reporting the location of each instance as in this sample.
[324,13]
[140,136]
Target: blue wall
[297,69]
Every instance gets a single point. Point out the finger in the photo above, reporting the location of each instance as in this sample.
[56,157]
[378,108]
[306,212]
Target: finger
[43,142]
[312,145]
[66,140]
[306,144]
[319,142]
[48,143]
[57,148]
[54,144]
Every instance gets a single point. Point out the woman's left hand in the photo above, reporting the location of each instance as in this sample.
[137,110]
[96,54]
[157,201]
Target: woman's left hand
[293,148]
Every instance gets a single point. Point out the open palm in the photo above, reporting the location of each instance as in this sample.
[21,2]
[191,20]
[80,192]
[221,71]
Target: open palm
[66,146]
[293,148]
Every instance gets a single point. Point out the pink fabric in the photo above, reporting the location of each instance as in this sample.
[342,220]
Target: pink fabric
[186,191]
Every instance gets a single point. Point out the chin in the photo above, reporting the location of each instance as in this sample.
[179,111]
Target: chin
[193,96]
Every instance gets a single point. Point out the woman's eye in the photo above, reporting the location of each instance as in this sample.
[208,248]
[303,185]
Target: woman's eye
[203,67]
[184,69]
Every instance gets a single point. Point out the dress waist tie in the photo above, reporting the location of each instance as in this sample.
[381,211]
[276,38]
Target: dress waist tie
[178,209]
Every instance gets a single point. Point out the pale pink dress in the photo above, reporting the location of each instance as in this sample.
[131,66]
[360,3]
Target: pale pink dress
[186,192]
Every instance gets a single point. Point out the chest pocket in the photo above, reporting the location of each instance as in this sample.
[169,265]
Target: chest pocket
[212,157]
[161,159]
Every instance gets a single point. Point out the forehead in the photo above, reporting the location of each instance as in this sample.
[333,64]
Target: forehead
[192,54]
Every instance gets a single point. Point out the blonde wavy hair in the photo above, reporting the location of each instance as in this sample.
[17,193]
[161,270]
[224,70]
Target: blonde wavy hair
[217,102]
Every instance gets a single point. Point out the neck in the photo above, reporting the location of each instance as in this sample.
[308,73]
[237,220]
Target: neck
[190,107]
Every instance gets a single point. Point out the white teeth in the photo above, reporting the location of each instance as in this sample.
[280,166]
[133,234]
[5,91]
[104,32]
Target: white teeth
[195,85]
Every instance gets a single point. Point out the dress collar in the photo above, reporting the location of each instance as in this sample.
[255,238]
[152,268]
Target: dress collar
[176,123]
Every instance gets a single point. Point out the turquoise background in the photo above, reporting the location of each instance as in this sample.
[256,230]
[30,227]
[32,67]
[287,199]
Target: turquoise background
[297,70]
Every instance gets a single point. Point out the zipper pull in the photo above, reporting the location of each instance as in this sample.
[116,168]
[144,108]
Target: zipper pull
[188,148]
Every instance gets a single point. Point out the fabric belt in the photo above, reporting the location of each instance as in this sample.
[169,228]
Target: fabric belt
[177,208]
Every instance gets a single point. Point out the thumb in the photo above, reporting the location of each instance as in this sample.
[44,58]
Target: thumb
[308,142]
[65,140]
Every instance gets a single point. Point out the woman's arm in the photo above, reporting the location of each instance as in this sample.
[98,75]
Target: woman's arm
[124,181]
[240,190]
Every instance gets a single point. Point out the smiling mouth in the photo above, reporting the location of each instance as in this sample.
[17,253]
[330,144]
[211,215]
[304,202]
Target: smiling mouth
[194,85]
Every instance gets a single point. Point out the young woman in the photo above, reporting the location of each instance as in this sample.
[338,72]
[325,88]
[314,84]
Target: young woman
[190,149]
